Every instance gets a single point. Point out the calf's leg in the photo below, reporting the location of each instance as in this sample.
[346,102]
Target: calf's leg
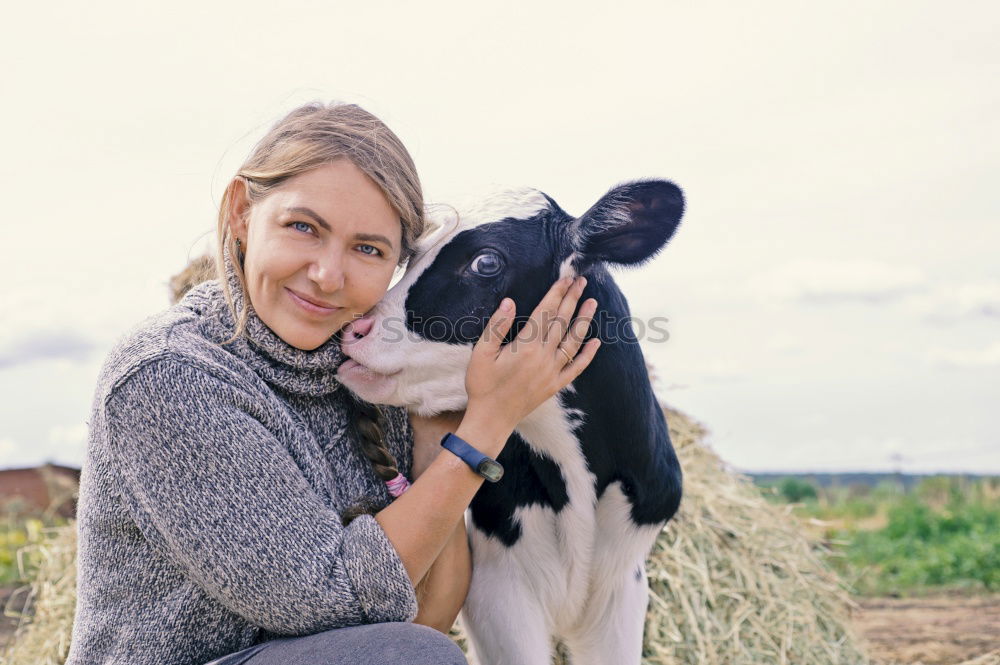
[502,614]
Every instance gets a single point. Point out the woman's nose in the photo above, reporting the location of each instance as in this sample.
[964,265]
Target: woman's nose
[328,273]
[358,328]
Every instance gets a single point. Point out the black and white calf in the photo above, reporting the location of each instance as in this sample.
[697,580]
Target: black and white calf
[559,544]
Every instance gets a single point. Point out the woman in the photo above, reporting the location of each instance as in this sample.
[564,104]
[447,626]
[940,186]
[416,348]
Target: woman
[236,504]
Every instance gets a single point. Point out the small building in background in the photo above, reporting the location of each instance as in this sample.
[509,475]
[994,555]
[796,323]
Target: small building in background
[50,489]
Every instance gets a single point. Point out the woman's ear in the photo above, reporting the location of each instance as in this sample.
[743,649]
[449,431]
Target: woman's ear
[239,209]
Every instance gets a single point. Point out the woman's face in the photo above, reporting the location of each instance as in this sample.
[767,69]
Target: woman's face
[320,251]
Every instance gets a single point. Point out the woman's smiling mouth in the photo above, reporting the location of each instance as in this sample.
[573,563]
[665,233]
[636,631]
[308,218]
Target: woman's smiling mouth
[309,305]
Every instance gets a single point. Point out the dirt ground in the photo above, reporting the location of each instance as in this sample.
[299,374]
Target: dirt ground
[936,630]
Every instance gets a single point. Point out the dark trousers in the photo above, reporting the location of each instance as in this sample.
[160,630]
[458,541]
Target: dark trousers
[397,643]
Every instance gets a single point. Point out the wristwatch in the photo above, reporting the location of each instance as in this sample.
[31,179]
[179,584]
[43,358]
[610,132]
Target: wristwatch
[484,465]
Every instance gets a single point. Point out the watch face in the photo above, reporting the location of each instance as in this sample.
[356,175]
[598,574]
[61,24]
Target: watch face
[491,470]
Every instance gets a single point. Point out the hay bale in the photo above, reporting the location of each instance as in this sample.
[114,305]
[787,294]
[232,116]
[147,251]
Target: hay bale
[991,658]
[46,606]
[200,269]
[733,579]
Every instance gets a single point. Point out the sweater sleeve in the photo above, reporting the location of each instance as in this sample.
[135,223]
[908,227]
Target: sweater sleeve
[209,484]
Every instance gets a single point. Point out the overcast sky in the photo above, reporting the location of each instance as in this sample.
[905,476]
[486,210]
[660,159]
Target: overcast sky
[834,288]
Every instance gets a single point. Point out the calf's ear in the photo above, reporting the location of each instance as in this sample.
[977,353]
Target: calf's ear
[629,225]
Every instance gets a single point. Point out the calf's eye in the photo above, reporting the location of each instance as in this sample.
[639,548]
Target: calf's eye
[487,264]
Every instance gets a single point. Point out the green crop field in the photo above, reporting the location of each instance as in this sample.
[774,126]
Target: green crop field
[896,537]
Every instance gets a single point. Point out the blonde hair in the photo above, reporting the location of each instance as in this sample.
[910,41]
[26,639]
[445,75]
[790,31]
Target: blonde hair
[308,137]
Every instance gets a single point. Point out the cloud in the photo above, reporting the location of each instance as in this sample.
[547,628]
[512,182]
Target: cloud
[68,436]
[36,330]
[721,370]
[784,343]
[64,444]
[7,448]
[90,314]
[45,345]
[962,302]
[986,357]
[825,281]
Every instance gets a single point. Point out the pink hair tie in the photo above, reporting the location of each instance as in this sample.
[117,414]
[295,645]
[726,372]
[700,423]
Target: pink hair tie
[398,485]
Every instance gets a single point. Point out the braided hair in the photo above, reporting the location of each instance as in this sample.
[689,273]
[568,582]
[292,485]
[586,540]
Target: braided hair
[369,427]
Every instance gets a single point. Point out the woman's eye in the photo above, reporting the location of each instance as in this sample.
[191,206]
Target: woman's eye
[487,264]
[301,226]
[375,250]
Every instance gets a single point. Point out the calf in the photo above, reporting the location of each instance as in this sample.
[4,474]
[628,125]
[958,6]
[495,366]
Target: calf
[559,543]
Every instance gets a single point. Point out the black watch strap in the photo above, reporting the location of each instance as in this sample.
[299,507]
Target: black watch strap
[482,464]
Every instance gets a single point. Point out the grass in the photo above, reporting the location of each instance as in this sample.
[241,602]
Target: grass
[943,534]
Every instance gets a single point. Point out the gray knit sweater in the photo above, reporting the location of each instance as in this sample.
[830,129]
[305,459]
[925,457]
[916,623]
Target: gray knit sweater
[211,493]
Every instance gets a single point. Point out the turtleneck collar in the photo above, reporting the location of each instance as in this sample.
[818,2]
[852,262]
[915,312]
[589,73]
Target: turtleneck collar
[275,360]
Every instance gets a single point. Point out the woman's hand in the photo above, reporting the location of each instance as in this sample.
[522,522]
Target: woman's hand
[427,435]
[504,384]
[507,383]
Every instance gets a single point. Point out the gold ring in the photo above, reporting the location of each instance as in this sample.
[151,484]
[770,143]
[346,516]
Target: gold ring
[568,358]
